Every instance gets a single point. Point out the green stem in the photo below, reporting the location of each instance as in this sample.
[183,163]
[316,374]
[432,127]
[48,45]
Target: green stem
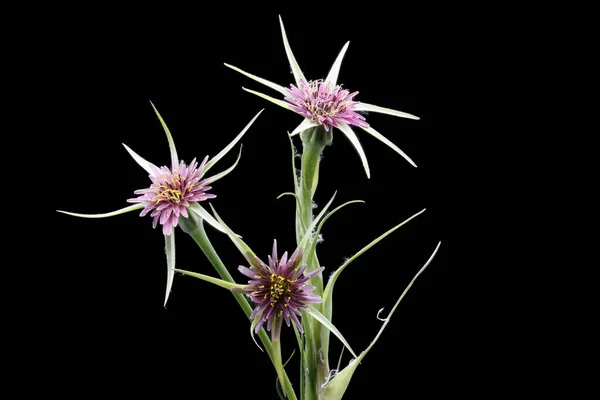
[315,362]
[197,232]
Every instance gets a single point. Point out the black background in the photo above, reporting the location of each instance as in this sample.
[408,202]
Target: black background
[102,315]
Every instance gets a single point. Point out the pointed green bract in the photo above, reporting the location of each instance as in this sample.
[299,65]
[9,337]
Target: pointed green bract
[216,281]
[304,125]
[170,251]
[313,312]
[338,385]
[386,141]
[298,75]
[332,77]
[222,153]
[174,158]
[280,103]
[346,130]
[360,106]
[220,175]
[105,215]
[205,215]
[141,161]
[265,82]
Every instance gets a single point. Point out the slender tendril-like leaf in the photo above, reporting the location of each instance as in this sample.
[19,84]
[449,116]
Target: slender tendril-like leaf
[252,326]
[324,321]
[290,194]
[329,288]
[338,385]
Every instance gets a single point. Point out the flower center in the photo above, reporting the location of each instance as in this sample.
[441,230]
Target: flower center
[279,287]
[321,101]
[172,189]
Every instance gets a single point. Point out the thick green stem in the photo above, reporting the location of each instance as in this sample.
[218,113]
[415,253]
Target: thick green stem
[196,230]
[316,364]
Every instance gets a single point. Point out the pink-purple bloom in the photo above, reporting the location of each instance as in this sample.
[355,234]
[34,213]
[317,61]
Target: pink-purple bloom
[280,290]
[171,192]
[325,104]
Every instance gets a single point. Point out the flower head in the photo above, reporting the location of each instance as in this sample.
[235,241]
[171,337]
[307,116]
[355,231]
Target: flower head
[280,290]
[171,192]
[325,103]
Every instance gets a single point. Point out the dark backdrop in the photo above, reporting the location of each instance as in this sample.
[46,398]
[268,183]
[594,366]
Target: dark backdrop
[103,318]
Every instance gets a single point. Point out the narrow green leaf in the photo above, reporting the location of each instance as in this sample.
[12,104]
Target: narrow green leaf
[290,194]
[329,288]
[338,385]
[324,321]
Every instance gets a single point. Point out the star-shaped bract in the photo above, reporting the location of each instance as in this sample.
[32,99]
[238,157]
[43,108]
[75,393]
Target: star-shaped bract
[174,192]
[325,103]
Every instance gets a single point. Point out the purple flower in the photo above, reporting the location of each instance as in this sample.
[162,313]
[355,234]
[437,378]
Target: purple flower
[171,192]
[325,103]
[279,290]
